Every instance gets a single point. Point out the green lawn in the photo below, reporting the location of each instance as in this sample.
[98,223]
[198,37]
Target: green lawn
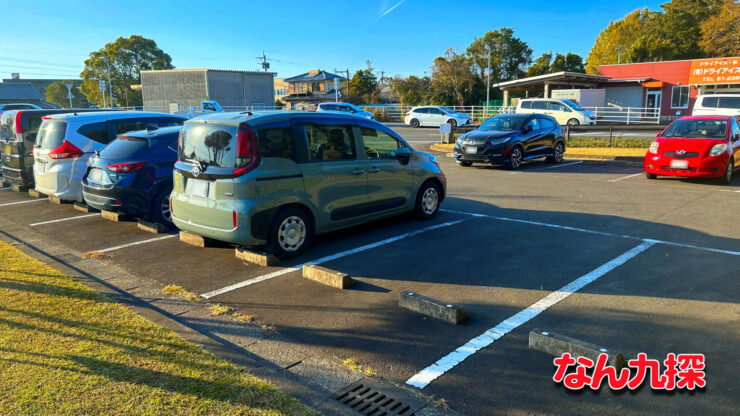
[66,350]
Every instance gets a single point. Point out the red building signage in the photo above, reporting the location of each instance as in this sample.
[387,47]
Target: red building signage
[715,71]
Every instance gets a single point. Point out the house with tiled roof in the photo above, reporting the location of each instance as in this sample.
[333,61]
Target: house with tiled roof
[306,91]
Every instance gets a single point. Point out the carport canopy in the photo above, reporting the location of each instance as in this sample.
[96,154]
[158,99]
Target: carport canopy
[539,82]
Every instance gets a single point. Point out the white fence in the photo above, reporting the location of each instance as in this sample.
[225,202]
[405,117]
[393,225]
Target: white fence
[397,112]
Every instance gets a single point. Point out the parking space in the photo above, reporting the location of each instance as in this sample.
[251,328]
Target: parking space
[595,252]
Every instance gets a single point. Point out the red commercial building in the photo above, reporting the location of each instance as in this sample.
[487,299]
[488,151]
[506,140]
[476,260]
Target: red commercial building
[650,89]
[670,86]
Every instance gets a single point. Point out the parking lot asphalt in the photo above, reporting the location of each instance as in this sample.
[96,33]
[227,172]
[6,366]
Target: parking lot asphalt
[662,258]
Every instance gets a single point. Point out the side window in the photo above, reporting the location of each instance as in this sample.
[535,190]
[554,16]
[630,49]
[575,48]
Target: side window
[546,123]
[422,111]
[435,111]
[95,131]
[534,124]
[277,142]
[125,126]
[735,127]
[539,105]
[710,102]
[346,109]
[555,106]
[328,143]
[729,102]
[209,107]
[526,104]
[379,145]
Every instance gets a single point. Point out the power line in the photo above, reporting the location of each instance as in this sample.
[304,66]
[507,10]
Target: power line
[30,61]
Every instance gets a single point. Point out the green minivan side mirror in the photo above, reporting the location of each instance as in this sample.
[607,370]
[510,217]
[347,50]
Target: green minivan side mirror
[403,154]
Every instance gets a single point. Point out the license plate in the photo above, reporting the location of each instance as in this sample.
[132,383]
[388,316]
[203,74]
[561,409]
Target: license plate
[40,167]
[679,164]
[197,187]
[95,175]
[471,149]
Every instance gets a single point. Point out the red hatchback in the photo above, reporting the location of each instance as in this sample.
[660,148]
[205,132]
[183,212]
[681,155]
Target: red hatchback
[699,146]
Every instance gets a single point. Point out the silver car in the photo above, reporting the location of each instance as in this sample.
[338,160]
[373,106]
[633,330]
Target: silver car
[65,142]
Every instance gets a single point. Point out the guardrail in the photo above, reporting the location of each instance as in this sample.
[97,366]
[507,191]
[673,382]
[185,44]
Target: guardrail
[625,115]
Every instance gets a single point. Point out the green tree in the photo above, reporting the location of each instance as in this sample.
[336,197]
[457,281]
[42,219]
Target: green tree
[680,24]
[453,80]
[616,38]
[720,33]
[509,55]
[57,93]
[651,48]
[364,85]
[540,66]
[128,57]
[412,90]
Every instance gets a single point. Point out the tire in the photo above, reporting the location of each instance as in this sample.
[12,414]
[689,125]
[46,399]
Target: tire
[465,164]
[727,177]
[160,210]
[414,123]
[574,122]
[427,201]
[452,123]
[651,175]
[516,158]
[290,233]
[557,154]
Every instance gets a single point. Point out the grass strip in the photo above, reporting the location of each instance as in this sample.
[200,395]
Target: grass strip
[67,350]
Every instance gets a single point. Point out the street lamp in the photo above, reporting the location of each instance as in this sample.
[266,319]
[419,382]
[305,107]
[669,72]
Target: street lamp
[110,86]
[488,81]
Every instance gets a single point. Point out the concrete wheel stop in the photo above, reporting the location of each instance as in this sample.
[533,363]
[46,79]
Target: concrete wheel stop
[432,307]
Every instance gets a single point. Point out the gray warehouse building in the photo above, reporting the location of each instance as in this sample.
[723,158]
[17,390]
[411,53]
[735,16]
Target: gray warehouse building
[234,90]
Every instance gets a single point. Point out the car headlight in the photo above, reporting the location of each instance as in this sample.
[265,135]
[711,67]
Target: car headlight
[718,149]
[654,148]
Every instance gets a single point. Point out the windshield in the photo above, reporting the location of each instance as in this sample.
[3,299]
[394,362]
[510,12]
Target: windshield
[445,109]
[503,123]
[697,129]
[573,105]
[211,144]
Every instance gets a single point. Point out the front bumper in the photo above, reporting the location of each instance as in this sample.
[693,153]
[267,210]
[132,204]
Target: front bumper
[698,167]
[484,153]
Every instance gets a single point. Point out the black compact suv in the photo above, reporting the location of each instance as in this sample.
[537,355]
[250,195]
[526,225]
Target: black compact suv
[510,139]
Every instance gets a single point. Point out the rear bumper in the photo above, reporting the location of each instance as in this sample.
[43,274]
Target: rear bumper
[241,234]
[62,180]
[22,177]
[708,167]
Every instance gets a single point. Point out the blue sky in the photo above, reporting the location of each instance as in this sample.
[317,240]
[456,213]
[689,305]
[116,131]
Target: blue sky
[41,39]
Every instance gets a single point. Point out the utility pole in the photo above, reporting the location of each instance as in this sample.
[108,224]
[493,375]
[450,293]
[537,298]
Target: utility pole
[347,82]
[619,54]
[110,86]
[488,76]
[263,62]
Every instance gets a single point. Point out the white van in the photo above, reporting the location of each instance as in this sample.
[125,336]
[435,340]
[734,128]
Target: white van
[566,112]
[717,105]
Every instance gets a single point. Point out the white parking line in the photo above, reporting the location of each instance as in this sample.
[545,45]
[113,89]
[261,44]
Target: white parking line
[325,259]
[625,177]
[604,233]
[105,250]
[562,165]
[444,364]
[64,219]
[22,202]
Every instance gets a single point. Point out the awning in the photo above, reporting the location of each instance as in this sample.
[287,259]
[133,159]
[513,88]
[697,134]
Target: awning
[653,84]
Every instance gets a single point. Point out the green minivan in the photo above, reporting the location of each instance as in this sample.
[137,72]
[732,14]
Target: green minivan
[277,178]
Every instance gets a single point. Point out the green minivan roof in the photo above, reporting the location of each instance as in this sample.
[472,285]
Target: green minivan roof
[235,118]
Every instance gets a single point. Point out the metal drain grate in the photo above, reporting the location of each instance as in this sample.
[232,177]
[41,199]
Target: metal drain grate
[368,400]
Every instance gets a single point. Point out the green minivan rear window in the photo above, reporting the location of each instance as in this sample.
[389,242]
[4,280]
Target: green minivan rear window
[210,144]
